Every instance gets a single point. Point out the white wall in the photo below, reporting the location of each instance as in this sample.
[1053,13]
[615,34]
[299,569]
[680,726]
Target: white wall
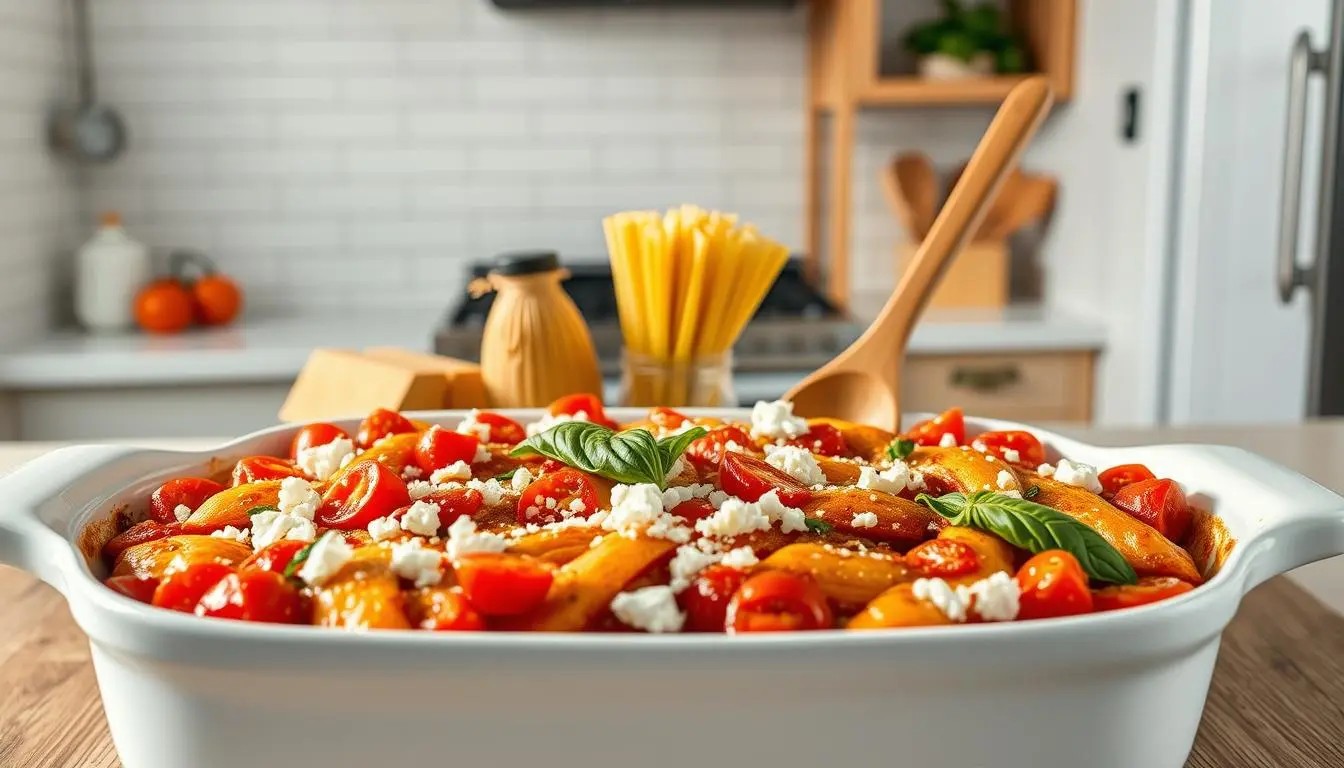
[37,191]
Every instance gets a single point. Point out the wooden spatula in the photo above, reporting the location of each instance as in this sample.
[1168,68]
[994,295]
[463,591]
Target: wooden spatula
[911,184]
[862,384]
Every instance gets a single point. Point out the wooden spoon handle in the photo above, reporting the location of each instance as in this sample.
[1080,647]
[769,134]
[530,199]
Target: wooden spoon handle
[1014,125]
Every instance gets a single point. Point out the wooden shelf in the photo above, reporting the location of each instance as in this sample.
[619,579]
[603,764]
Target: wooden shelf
[914,91]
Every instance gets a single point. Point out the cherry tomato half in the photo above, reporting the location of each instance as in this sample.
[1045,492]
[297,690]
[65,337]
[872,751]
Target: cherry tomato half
[255,469]
[666,418]
[149,530]
[750,478]
[706,599]
[254,595]
[134,587]
[363,493]
[823,439]
[1053,584]
[931,432]
[187,491]
[584,403]
[442,609]
[182,590]
[453,503]
[565,489]
[439,448]
[693,509]
[274,557]
[706,452]
[1159,503]
[943,558]
[380,424]
[502,428]
[1115,478]
[500,584]
[313,435]
[1013,446]
[775,601]
[1150,589]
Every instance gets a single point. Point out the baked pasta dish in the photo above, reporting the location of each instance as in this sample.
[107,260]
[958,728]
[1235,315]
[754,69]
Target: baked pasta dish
[670,524]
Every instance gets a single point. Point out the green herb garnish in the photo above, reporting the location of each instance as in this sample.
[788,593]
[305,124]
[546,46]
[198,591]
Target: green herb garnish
[900,448]
[292,570]
[818,526]
[263,508]
[507,475]
[1032,492]
[1035,528]
[632,456]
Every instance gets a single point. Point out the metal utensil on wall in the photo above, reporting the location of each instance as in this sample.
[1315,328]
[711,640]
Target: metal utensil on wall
[86,131]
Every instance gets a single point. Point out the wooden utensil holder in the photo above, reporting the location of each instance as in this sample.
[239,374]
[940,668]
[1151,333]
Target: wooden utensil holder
[335,383]
[978,277]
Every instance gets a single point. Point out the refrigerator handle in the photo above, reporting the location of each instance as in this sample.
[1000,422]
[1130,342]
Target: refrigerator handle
[1305,61]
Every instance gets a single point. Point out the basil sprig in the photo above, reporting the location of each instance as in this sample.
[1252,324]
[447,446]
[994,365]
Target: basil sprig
[292,570]
[818,526]
[262,508]
[1035,528]
[632,456]
[900,448]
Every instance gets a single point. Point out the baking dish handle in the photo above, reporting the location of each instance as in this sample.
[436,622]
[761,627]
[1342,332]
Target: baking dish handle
[27,540]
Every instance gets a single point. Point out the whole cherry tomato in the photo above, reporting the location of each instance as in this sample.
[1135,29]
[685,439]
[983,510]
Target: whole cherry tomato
[823,439]
[1159,503]
[252,595]
[693,509]
[706,599]
[749,478]
[149,530]
[500,584]
[453,503]
[217,299]
[590,406]
[275,557]
[439,448]
[134,587]
[930,432]
[254,469]
[1115,478]
[1014,446]
[1053,584]
[502,428]
[666,418]
[380,424]
[182,590]
[443,609]
[1150,589]
[362,494]
[775,601]
[943,558]
[190,492]
[708,451]
[564,489]
[164,306]
[313,435]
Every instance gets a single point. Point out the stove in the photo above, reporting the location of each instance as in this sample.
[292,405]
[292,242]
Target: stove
[795,330]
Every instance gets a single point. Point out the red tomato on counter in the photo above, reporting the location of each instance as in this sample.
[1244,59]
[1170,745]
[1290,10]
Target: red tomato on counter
[1015,442]
[930,432]
[1053,583]
[544,497]
[750,478]
[363,493]
[380,424]
[313,435]
[500,584]
[187,491]
[1159,503]
[778,601]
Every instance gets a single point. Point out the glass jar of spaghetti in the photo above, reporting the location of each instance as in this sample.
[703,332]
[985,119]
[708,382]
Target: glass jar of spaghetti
[705,381]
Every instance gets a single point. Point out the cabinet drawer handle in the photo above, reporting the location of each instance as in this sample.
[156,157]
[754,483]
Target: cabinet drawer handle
[985,380]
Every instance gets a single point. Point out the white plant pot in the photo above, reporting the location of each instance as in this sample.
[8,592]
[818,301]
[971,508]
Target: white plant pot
[940,66]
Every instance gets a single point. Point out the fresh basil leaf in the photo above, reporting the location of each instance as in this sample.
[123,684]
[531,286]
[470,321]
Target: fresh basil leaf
[1032,492]
[672,447]
[1035,528]
[292,570]
[817,526]
[507,475]
[263,508]
[900,448]
[632,456]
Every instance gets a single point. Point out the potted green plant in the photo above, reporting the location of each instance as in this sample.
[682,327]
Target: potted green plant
[965,42]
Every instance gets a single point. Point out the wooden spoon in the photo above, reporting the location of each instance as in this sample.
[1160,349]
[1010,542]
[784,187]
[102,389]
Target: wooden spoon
[911,184]
[862,384]
[1033,198]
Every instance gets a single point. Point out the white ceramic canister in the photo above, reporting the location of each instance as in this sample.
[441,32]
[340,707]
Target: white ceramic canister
[109,270]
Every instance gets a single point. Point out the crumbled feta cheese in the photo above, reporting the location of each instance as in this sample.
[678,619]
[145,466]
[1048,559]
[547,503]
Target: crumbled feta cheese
[419,489]
[182,512]
[422,519]
[298,497]
[790,519]
[652,609]
[548,420]
[1016,494]
[994,598]
[893,480]
[411,472]
[1045,470]
[775,420]
[270,526]
[385,528]
[491,491]
[1006,480]
[322,461]
[742,557]
[458,470]
[633,506]
[675,471]
[731,446]
[482,454]
[463,538]
[229,532]
[796,462]
[470,426]
[682,493]
[522,477]
[864,520]
[689,561]
[1079,474]
[717,498]
[325,558]
[948,440]
[943,597]
[576,507]
[733,518]
[415,563]
[1011,456]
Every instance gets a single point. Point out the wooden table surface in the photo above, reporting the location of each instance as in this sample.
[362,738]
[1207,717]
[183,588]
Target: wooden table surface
[1277,698]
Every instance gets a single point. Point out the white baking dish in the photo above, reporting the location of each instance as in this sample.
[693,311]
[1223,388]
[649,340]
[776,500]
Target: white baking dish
[1121,689]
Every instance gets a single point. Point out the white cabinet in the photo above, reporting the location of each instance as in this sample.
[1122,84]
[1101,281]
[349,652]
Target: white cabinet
[223,410]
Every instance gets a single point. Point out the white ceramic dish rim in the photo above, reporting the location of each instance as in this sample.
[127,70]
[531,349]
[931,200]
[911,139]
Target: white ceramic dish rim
[1308,526]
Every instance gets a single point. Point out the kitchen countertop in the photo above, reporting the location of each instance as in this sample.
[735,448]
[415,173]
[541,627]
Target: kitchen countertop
[1274,698]
[273,349]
